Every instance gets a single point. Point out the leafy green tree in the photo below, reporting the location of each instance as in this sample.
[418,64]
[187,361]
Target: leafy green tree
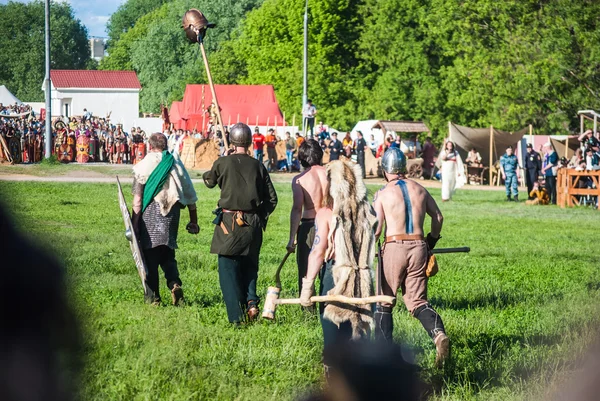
[157,49]
[23,54]
[269,46]
[126,17]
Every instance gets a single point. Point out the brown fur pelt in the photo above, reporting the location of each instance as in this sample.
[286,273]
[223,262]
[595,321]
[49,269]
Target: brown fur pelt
[351,239]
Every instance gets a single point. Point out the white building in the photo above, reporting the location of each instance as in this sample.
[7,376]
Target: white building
[97,48]
[100,92]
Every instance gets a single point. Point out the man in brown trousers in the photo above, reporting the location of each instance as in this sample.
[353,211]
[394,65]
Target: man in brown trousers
[402,204]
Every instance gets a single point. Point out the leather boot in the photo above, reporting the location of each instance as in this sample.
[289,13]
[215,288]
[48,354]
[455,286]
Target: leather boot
[252,311]
[384,324]
[442,349]
[508,199]
[516,198]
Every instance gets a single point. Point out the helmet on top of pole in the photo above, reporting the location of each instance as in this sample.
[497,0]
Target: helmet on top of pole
[195,25]
[394,161]
[240,135]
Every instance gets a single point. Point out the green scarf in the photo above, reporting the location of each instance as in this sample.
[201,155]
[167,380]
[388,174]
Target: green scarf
[157,179]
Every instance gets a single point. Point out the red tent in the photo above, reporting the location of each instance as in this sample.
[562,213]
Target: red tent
[252,104]
[175,115]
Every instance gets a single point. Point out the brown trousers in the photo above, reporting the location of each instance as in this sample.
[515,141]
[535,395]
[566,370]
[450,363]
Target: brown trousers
[404,266]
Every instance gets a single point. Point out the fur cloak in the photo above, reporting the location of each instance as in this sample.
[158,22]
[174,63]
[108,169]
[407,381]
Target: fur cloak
[351,239]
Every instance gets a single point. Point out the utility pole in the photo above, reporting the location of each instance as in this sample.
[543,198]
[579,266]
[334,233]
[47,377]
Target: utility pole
[48,144]
[305,77]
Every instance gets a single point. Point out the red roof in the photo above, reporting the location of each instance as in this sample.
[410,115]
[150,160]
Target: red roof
[94,79]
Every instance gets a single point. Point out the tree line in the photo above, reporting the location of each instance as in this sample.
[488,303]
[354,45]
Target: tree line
[507,63]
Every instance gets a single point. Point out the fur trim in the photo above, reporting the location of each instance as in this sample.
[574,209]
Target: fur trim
[351,239]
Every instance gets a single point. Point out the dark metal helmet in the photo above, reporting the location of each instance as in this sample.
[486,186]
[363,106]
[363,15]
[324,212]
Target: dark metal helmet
[240,135]
[195,23]
[393,161]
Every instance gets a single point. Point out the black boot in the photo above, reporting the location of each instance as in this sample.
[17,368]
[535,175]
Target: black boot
[508,198]
[516,198]
[384,324]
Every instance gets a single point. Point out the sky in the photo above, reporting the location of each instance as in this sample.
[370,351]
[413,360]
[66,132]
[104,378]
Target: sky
[93,13]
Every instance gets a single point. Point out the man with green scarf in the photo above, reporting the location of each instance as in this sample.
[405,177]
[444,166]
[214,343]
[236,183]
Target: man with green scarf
[161,188]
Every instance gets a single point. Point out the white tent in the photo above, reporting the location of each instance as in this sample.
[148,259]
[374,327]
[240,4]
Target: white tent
[6,97]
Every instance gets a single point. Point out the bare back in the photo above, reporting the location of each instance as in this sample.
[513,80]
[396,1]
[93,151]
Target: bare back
[391,204]
[313,183]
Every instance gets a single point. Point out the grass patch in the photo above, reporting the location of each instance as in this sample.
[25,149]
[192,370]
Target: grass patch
[518,306]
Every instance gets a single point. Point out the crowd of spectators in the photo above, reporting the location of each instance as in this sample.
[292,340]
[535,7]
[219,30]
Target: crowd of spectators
[17,108]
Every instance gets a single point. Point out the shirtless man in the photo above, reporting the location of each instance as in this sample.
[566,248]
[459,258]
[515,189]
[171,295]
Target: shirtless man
[307,189]
[402,204]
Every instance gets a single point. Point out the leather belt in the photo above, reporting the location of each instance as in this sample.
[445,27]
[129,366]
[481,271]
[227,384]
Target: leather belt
[404,237]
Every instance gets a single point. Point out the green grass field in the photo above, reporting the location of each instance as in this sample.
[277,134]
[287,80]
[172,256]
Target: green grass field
[517,308]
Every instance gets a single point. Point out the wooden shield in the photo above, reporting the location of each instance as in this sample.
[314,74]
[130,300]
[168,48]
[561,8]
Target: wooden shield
[83,149]
[138,257]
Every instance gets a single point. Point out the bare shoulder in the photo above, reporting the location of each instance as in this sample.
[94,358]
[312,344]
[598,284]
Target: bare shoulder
[297,178]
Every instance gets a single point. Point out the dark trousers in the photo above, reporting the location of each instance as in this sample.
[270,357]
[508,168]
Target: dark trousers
[164,257]
[531,176]
[237,277]
[305,239]
[551,188]
[309,123]
[360,156]
[332,334]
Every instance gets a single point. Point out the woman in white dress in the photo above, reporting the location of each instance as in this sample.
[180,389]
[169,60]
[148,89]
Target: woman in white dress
[453,171]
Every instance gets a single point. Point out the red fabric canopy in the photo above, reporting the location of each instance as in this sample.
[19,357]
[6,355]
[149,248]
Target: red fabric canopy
[175,115]
[251,104]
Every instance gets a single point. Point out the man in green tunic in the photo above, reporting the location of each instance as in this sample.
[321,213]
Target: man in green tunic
[247,199]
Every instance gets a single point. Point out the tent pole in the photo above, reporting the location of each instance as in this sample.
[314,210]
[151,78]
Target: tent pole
[283,124]
[491,150]
[531,134]
[581,124]
[450,130]
[214,94]
[293,122]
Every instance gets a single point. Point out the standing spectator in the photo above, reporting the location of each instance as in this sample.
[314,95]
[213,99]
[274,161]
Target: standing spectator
[533,165]
[87,115]
[309,111]
[592,159]
[453,176]
[321,130]
[549,171]
[258,143]
[588,140]
[373,145]
[335,147]
[360,145]
[290,148]
[429,152]
[576,159]
[348,143]
[271,149]
[509,166]
[473,158]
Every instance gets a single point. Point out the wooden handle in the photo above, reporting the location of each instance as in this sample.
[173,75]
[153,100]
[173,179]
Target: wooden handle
[384,299]
[277,273]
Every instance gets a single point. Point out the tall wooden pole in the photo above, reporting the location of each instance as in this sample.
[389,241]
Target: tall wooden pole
[531,134]
[450,130]
[214,95]
[491,152]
